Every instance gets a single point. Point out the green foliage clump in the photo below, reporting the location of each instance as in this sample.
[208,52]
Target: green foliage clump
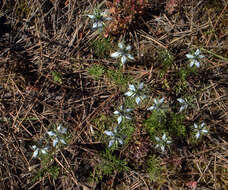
[153,168]
[175,124]
[56,77]
[109,164]
[161,122]
[156,123]
[52,171]
[166,58]
[96,71]
[102,47]
[118,78]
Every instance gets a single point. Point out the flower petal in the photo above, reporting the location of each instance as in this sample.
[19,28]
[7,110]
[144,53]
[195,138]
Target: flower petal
[204,131]
[121,45]
[107,18]
[128,110]
[123,59]
[182,108]
[62,141]
[129,93]
[116,54]
[109,133]
[55,141]
[61,129]
[95,25]
[197,63]
[141,86]
[168,142]
[132,87]
[43,151]
[157,139]
[137,99]
[91,16]
[201,56]
[119,119]
[189,56]
[130,57]
[116,112]
[128,48]
[34,147]
[180,100]
[111,143]
[127,117]
[164,137]
[120,141]
[161,100]
[35,153]
[151,108]
[197,135]
[195,126]
[162,148]
[197,52]
[51,133]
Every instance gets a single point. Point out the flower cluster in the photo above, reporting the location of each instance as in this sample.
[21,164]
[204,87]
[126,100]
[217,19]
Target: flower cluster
[39,151]
[184,104]
[157,105]
[99,19]
[57,135]
[115,137]
[136,91]
[122,114]
[123,53]
[200,130]
[194,59]
[162,142]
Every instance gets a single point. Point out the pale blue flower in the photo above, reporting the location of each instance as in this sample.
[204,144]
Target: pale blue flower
[136,92]
[184,104]
[61,129]
[157,104]
[38,151]
[194,59]
[123,53]
[99,19]
[122,113]
[162,142]
[200,130]
[115,139]
[57,135]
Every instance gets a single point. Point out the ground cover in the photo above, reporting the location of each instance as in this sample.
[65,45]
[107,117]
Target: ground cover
[127,94]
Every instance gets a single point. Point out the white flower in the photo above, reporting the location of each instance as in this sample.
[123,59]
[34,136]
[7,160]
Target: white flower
[162,142]
[122,113]
[38,151]
[123,53]
[194,59]
[136,92]
[183,103]
[200,129]
[114,137]
[57,136]
[99,19]
[157,104]
[61,129]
